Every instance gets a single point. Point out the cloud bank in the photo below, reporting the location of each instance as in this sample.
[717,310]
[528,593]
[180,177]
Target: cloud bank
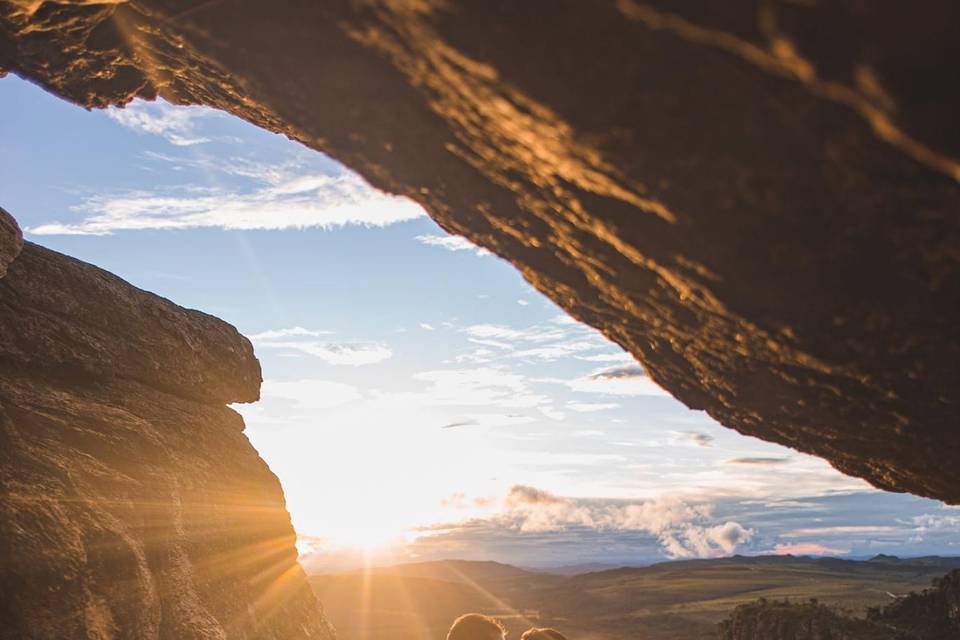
[683,528]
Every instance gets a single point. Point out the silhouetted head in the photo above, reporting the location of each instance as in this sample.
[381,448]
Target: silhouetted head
[542,634]
[474,626]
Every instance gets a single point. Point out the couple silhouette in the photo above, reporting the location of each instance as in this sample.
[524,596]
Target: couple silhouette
[475,626]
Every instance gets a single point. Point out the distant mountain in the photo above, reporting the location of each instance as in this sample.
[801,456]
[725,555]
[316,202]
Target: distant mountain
[681,600]
[576,569]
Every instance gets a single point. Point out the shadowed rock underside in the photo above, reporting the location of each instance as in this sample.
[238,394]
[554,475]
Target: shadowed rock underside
[757,200]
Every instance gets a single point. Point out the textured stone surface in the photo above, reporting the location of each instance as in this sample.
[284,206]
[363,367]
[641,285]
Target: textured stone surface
[132,506]
[11,240]
[104,327]
[758,200]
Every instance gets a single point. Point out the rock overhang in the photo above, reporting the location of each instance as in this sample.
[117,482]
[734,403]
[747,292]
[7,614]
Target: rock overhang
[765,217]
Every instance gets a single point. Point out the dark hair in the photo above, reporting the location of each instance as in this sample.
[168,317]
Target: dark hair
[542,634]
[474,626]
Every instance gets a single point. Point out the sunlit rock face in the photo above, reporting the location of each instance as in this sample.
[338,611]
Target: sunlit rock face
[757,199]
[131,503]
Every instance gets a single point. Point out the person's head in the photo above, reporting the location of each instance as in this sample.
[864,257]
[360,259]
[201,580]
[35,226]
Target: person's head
[542,634]
[475,626]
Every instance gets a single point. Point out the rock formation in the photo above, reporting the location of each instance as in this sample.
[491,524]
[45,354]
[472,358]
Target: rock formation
[132,506]
[757,199]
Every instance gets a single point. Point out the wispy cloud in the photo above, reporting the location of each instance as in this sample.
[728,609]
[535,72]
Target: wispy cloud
[937,522]
[695,438]
[460,423]
[621,380]
[272,198]
[546,342]
[589,407]
[287,333]
[505,333]
[840,531]
[452,243]
[345,353]
[483,386]
[622,357]
[176,124]
[301,340]
[758,461]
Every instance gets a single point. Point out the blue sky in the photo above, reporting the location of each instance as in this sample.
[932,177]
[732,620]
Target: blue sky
[420,399]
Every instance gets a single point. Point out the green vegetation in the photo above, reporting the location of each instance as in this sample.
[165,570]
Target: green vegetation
[669,601]
[772,620]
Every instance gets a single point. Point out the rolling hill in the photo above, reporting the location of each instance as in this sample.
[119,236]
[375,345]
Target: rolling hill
[669,601]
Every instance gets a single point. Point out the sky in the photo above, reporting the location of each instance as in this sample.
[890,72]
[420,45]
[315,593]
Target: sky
[420,400]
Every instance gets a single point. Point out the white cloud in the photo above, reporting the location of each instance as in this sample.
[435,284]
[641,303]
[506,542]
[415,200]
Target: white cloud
[491,343]
[286,333]
[426,327]
[589,407]
[345,353]
[522,303]
[839,531]
[539,342]
[299,340]
[692,438]
[555,351]
[705,542]
[547,342]
[628,380]
[277,198]
[174,123]
[929,521]
[683,528]
[622,357]
[310,393]
[483,386]
[452,243]
[502,332]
